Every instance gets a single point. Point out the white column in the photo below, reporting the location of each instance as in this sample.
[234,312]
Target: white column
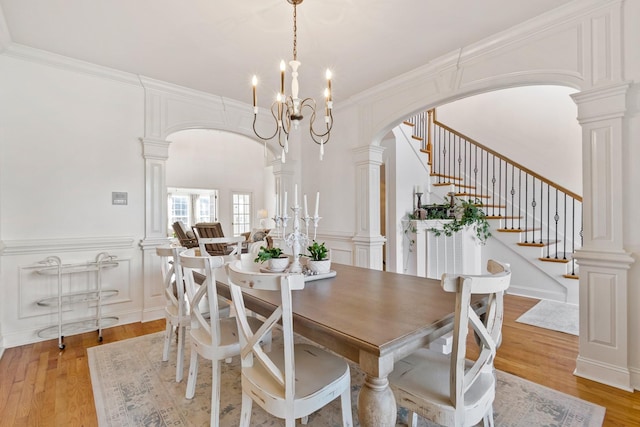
[603,261]
[155,153]
[368,242]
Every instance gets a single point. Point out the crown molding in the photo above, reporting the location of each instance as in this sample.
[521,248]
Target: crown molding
[5,35]
[27,53]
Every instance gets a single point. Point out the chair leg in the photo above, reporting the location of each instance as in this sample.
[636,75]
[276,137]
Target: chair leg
[193,374]
[245,413]
[180,360]
[345,403]
[167,340]
[215,392]
[487,421]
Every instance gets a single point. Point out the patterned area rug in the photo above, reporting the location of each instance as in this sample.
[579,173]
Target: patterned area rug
[554,315]
[133,387]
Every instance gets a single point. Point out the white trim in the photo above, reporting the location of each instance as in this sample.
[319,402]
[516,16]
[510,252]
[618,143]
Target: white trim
[5,42]
[69,64]
[20,247]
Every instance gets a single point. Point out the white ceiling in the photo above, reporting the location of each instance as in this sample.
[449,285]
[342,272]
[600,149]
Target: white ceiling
[217,45]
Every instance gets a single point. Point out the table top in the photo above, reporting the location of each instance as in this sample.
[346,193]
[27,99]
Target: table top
[361,309]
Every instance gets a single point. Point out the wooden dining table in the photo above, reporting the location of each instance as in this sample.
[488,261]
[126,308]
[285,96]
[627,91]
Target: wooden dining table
[372,318]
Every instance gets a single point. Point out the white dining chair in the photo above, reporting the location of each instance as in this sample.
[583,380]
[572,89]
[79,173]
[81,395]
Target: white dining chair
[292,382]
[213,337]
[176,308]
[450,389]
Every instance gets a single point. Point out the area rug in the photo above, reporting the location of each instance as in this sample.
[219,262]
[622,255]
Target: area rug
[554,315]
[133,387]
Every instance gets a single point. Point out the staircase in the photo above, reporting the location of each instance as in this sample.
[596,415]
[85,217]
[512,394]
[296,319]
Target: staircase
[536,220]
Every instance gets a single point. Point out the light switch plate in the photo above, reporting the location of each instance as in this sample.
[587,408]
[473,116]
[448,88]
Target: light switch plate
[119,198]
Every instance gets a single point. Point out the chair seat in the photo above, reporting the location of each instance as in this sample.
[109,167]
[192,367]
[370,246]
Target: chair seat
[229,344]
[424,376]
[171,311]
[317,371]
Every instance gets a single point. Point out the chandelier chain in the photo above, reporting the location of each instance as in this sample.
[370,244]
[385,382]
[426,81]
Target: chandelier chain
[295,32]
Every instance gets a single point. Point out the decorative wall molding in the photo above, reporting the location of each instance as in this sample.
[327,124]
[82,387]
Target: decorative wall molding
[5,42]
[37,246]
[69,64]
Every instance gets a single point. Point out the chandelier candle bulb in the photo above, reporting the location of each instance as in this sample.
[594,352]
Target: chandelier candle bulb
[254,82]
[283,67]
[328,75]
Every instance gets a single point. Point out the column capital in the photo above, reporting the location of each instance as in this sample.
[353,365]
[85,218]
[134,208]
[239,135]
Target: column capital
[153,148]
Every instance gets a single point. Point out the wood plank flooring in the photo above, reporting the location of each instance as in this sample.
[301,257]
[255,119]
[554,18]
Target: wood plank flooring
[43,386]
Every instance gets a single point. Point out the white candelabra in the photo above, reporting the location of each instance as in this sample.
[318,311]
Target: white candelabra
[296,240]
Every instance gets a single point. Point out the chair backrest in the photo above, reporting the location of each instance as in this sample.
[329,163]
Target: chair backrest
[206,230]
[208,245]
[249,340]
[185,236]
[487,330]
[172,277]
[203,297]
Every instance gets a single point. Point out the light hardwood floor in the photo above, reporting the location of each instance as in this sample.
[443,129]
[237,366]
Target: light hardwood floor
[43,386]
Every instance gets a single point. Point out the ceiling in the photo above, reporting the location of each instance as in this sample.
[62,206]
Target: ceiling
[217,45]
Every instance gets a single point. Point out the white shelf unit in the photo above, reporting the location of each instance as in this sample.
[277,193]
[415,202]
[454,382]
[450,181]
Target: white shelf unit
[53,266]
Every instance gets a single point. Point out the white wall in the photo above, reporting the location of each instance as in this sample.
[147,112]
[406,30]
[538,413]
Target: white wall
[68,140]
[228,162]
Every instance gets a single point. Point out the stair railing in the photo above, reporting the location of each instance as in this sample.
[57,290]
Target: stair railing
[548,214]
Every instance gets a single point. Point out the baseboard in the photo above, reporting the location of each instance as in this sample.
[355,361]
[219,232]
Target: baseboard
[536,293]
[30,336]
[603,373]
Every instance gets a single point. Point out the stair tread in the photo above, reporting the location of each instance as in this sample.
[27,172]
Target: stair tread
[447,176]
[478,196]
[502,216]
[561,260]
[419,138]
[408,123]
[518,230]
[571,276]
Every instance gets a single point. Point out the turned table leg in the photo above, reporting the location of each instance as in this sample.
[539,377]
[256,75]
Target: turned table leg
[376,403]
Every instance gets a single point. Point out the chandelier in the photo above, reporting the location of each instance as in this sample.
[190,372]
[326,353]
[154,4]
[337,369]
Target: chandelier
[287,110]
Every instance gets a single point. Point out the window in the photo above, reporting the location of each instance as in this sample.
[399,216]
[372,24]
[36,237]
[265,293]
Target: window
[241,213]
[191,206]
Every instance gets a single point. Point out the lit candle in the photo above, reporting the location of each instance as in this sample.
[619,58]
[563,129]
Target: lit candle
[254,82]
[317,203]
[306,212]
[326,102]
[328,75]
[282,69]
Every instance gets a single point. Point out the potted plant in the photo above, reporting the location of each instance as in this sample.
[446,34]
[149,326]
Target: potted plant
[276,260]
[466,214]
[319,262]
